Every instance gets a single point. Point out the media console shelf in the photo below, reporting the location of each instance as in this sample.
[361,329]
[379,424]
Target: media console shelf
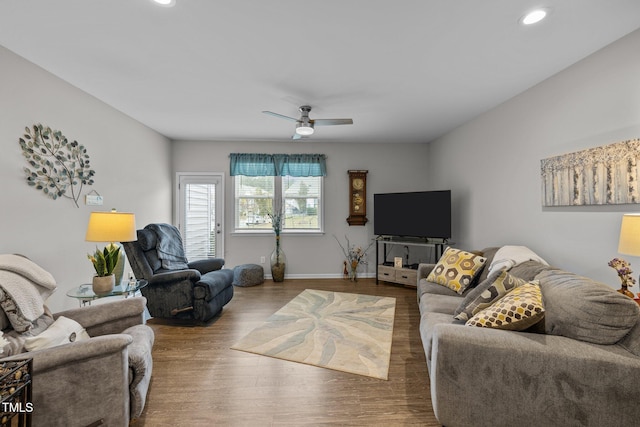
[406,275]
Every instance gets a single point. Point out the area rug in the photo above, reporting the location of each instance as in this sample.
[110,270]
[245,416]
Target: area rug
[335,330]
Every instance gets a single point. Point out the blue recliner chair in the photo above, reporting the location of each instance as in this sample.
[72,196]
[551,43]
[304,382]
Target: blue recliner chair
[177,289]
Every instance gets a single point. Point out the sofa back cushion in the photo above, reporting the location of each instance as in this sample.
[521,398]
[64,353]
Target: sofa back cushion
[528,270]
[487,253]
[631,341]
[583,309]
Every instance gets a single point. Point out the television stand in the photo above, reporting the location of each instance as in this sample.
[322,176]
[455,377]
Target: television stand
[405,275]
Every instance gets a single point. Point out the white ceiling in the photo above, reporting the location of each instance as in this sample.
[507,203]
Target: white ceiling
[404,70]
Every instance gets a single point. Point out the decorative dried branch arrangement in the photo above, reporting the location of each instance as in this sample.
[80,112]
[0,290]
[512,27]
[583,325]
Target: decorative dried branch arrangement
[606,175]
[57,165]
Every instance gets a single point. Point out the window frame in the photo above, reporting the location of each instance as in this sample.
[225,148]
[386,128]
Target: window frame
[278,198]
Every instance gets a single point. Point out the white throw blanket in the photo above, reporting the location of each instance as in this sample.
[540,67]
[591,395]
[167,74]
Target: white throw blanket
[28,284]
[510,256]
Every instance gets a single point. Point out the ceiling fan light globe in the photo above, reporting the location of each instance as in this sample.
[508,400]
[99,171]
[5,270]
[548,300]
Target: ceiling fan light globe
[304,130]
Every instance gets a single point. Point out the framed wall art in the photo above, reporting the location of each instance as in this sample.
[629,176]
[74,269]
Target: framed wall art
[606,175]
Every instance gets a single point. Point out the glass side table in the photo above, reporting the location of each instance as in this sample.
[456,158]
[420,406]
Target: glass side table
[84,293]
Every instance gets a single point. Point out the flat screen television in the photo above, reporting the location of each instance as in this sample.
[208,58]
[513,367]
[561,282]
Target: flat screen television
[425,214]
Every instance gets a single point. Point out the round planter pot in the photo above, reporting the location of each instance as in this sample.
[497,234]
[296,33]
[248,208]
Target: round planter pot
[103,285]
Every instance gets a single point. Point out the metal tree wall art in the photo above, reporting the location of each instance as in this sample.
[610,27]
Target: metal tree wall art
[58,167]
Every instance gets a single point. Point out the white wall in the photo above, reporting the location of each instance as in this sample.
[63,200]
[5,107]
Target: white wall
[391,167]
[492,163]
[131,162]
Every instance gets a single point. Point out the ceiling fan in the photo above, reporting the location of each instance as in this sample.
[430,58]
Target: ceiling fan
[305,125]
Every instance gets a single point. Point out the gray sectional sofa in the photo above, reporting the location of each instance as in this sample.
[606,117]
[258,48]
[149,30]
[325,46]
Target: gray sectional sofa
[579,366]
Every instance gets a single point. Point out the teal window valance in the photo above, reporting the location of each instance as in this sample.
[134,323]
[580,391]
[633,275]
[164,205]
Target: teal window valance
[253,164]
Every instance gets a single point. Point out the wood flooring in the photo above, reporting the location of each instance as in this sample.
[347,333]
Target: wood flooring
[199,381]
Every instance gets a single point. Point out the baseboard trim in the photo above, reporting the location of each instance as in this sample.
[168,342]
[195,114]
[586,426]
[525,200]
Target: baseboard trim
[321,276]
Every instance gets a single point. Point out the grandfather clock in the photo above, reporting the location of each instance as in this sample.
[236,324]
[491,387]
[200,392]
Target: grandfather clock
[357,197]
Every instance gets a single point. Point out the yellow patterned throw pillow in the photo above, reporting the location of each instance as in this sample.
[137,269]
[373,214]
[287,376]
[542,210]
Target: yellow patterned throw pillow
[516,311]
[456,269]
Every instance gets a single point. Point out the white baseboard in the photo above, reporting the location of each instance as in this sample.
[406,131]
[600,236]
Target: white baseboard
[371,275]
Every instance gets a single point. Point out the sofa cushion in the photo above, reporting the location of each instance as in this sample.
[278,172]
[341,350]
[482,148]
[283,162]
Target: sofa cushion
[425,287]
[583,309]
[456,269]
[440,303]
[497,285]
[428,322]
[631,341]
[488,253]
[528,270]
[62,331]
[516,311]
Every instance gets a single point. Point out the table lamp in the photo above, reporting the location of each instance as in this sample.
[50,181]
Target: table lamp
[112,227]
[629,242]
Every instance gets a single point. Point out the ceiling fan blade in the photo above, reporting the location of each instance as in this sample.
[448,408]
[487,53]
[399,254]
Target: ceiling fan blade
[331,122]
[271,113]
[296,136]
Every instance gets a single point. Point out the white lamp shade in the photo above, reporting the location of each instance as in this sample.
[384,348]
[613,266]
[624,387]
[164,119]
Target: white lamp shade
[111,227]
[629,243]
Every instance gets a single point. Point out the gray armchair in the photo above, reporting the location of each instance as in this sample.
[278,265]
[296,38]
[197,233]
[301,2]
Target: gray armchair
[99,381]
[177,288]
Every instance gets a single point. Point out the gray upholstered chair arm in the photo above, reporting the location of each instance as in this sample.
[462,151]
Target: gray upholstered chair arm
[108,318]
[75,353]
[140,366]
[206,265]
[424,270]
[170,277]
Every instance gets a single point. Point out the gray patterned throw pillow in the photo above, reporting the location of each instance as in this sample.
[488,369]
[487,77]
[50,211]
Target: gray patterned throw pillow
[497,285]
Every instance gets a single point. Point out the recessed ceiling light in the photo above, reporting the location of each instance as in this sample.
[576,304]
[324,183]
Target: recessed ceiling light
[534,16]
[165,3]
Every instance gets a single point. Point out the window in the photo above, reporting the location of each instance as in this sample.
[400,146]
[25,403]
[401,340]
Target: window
[254,201]
[263,181]
[301,201]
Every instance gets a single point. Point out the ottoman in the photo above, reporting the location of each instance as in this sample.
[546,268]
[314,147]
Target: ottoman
[248,275]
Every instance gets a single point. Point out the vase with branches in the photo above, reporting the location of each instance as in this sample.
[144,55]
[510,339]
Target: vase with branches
[278,258]
[354,257]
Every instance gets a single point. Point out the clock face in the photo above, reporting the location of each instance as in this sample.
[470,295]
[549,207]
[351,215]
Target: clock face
[358,183]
